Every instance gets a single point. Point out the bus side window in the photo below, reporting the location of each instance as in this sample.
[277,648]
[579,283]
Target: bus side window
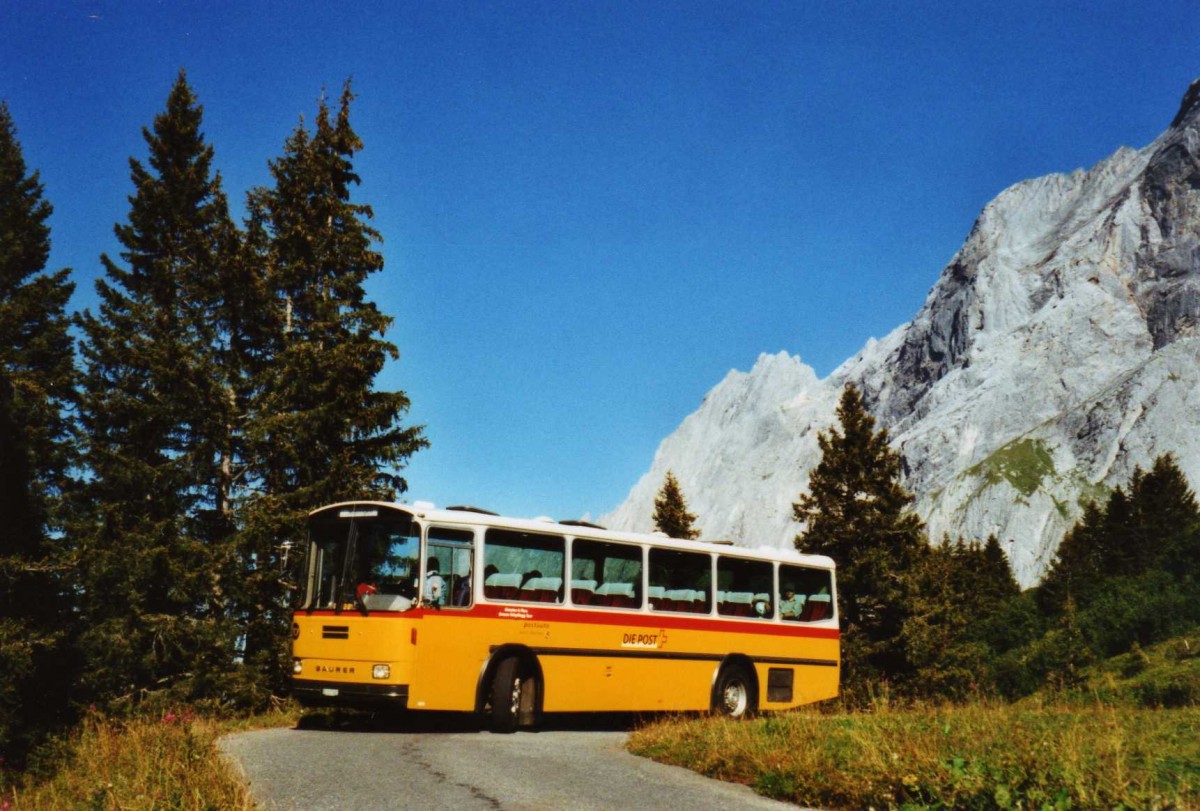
[680,581]
[528,566]
[606,574]
[805,595]
[743,587]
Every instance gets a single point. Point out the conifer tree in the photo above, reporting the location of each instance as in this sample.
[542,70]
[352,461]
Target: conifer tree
[1166,521]
[1075,569]
[985,580]
[319,430]
[1129,568]
[964,591]
[1154,525]
[671,515]
[946,658]
[1064,651]
[36,380]
[996,583]
[857,512]
[155,528]
[35,348]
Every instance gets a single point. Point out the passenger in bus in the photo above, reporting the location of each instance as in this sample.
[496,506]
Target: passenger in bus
[790,604]
[529,576]
[462,596]
[435,584]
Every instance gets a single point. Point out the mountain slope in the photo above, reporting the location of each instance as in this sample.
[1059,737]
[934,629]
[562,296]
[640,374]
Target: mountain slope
[1057,350]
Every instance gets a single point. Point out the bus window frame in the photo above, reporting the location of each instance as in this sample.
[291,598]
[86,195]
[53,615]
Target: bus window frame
[639,587]
[682,552]
[830,574]
[427,527]
[481,561]
[772,590]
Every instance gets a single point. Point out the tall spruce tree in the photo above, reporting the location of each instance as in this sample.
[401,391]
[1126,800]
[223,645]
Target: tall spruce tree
[36,451]
[963,591]
[155,527]
[1077,564]
[1166,522]
[995,583]
[946,662]
[320,431]
[671,515]
[857,512]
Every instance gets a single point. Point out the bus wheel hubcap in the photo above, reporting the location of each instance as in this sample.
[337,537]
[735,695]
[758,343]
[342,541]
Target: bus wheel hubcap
[735,698]
[516,696]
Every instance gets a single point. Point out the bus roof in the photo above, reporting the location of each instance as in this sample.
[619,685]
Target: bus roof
[483,518]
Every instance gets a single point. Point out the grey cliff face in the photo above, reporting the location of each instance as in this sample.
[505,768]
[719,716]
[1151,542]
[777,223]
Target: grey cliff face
[1057,350]
[1169,266]
[935,343]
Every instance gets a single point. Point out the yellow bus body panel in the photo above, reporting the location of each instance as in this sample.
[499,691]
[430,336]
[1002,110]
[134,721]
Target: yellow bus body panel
[590,660]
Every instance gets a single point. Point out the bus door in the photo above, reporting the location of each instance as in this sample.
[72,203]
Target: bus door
[448,661]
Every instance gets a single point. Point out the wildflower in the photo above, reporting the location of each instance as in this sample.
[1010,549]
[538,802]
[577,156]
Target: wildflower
[170,718]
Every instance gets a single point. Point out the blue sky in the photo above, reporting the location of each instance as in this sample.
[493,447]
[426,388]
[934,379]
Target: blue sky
[593,211]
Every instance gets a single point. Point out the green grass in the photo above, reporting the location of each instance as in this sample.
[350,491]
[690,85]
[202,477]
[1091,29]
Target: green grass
[1127,737]
[167,762]
[1165,675]
[978,756]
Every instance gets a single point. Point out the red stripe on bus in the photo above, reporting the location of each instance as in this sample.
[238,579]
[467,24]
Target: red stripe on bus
[662,619]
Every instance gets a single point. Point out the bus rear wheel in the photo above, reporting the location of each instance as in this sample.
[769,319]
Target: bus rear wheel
[514,696]
[735,695]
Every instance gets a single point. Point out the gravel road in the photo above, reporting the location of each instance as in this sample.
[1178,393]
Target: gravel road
[451,765]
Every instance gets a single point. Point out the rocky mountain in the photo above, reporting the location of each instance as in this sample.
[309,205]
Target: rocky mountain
[1058,350]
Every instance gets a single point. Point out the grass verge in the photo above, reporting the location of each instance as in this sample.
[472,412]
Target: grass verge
[162,763]
[974,757]
[1163,675]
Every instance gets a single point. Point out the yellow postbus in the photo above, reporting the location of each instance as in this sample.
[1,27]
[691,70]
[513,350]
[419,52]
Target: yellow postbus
[461,609]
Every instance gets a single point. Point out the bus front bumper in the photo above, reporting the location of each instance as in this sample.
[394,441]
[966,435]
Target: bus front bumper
[312,693]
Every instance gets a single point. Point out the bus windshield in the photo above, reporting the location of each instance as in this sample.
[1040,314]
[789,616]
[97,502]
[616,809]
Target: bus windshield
[368,564]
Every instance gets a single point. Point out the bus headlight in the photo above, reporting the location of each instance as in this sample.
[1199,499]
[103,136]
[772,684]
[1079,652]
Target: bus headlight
[297,667]
[381,672]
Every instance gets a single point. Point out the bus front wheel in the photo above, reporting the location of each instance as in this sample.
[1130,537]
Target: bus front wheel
[735,695]
[514,691]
